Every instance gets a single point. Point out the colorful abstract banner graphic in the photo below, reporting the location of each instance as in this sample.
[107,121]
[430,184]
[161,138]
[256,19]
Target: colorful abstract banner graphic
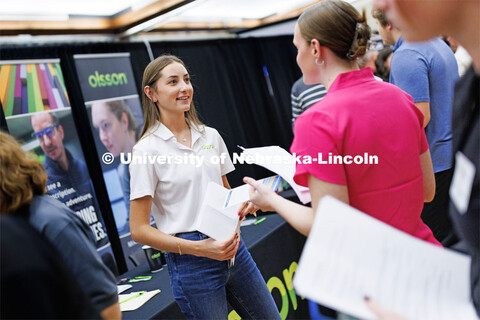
[32,87]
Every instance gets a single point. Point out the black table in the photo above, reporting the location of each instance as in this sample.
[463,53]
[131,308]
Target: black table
[275,247]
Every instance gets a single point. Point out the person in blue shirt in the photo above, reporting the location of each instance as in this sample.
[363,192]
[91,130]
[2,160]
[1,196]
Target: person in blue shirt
[428,72]
[34,283]
[23,189]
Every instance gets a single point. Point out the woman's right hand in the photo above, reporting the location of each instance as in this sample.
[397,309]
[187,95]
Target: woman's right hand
[220,250]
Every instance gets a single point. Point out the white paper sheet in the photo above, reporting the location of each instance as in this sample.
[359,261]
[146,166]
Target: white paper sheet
[349,255]
[123,287]
[281,162]
[237,195]
[133,301]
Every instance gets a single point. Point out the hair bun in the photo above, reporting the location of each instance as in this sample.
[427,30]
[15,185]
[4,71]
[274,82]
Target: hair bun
[338,26]
[361,39]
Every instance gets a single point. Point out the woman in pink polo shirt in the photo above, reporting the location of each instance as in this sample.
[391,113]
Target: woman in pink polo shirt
[358,116]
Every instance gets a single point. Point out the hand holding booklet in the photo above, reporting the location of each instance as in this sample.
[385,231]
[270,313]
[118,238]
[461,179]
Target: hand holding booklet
[218,216]
[349,255]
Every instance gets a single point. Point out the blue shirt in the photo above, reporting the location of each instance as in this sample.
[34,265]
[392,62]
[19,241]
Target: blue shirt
[428,72]
[74,242]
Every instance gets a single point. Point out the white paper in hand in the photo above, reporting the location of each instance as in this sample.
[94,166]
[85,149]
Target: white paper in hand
[214,219]
[218,217]
[349,255]
[281,162]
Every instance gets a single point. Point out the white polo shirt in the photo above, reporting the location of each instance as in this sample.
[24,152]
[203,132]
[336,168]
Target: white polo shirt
[177,176]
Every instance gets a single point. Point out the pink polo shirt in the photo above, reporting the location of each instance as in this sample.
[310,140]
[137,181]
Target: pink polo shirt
[358,116]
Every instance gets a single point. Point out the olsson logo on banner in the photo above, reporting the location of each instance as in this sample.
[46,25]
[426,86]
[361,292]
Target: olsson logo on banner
[109,79]
[286,291]
[105,76]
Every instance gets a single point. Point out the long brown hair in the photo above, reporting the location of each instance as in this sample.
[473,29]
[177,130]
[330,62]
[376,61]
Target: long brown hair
[20,177]
[151,113]
[338,26]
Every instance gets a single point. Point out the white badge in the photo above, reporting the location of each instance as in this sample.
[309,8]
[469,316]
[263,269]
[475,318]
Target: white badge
[462,182]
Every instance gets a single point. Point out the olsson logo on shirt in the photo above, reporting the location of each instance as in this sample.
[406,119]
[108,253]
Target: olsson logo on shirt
[107,80]
[210,146]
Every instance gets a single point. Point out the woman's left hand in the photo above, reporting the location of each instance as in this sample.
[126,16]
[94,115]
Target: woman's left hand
[260,195]
[246,208]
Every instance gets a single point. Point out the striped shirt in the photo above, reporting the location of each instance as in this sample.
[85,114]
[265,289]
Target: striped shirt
[304,96]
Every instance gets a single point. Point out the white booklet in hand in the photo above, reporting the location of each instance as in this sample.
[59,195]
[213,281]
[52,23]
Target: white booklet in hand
[349,255]
[281,162]
[215,220]
[218,216]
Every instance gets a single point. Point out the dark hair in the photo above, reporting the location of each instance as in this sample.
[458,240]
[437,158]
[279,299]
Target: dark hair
[338,26]
[381,69]
[151,114]
[380,16]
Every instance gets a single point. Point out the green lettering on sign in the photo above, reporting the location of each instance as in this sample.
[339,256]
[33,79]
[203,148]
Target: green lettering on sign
[273,283]
[288,275]
[276,283]
[233,315]
[107,80]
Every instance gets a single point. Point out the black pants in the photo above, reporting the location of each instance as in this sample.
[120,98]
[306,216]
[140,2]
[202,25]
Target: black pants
[435,213]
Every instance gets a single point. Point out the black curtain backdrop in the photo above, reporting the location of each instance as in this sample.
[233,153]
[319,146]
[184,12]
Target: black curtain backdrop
[241,88]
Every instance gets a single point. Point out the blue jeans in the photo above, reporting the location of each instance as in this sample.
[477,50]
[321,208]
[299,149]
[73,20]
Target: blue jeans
[202,286]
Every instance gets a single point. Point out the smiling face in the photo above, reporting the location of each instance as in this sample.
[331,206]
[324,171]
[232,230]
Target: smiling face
[113,132]
[173,91]
[305,59]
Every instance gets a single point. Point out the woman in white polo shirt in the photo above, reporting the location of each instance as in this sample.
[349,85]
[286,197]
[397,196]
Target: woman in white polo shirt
[201,277]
